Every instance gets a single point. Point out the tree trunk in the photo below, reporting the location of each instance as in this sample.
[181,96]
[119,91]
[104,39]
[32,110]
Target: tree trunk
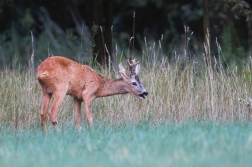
[101,14]
[250,33]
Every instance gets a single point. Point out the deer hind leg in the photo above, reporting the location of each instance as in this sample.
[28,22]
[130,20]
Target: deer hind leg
[57,101]
[44,107]
[78,115]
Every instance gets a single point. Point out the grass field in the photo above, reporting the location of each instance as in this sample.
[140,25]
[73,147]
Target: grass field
[190,118]
[187,144]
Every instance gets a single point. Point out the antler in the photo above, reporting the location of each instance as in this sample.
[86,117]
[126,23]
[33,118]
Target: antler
[132,65]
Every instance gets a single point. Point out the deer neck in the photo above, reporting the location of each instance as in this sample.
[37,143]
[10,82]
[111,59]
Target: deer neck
[109,87]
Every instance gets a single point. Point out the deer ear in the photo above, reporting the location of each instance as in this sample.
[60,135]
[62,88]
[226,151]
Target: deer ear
[122,70]
[137,68]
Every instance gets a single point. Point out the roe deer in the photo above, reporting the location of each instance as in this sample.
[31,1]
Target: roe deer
[59,76]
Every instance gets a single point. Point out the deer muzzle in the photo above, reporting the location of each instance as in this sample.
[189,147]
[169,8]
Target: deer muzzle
[142,95]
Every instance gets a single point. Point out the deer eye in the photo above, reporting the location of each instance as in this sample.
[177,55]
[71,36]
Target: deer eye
[134,83]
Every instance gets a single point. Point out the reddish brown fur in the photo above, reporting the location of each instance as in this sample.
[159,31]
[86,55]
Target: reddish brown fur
[60,76]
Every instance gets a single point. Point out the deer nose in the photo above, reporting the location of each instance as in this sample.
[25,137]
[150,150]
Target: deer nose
[145,93]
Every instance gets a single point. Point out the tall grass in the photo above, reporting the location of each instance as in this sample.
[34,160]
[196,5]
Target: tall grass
[175,95]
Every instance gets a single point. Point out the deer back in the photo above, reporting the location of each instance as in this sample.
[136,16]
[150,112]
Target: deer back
[59,73]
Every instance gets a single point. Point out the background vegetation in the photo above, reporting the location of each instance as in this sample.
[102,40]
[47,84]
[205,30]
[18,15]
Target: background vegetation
[96,30]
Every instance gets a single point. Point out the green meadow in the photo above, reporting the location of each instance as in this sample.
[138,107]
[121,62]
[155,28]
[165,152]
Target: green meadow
[186,144]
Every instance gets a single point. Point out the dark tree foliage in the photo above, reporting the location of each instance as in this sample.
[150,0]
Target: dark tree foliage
[113,21]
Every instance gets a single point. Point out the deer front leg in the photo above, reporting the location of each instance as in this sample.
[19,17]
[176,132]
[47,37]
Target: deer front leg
[78,115]
[88,108]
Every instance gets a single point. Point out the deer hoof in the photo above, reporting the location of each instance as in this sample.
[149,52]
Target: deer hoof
[54,123]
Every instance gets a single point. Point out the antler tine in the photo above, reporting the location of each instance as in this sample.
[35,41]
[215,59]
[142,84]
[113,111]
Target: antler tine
[129,63]
[133,62]
[132,65]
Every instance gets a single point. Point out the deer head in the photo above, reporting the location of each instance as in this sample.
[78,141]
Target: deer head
[134,84]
